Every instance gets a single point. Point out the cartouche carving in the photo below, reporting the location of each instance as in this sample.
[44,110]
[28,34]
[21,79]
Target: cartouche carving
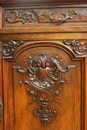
[49,16]
[76,46]
[20,16]
[44,76]
[8,49]
[44,71]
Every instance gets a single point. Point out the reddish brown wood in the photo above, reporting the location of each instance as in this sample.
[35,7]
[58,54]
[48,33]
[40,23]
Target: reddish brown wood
[0,17]
[1,84]
[20,41]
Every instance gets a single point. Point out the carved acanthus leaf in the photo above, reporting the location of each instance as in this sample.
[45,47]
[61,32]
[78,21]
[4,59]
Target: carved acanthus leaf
[77,46]
[43,73]
[21,16]
[8,49]
[29,16]
[49,16]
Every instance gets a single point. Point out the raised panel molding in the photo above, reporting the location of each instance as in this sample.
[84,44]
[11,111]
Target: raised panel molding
[30,16]
[75,48]
[45,75]
[43,65]
[42,14]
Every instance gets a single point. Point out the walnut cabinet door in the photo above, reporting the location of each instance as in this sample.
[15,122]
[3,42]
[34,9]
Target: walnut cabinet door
[43,82]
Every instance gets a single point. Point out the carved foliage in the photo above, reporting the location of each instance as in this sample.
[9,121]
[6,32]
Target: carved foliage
[8,49]
[44,112]
[49,16]
[21,16]
[76,46]
[44,71]
[30,16]
[44,74]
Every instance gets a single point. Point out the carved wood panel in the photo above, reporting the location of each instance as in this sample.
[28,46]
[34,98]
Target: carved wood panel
[42,90]
[43,15]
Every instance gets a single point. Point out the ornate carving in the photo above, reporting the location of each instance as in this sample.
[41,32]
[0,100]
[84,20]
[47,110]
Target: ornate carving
[8,49]
[44,71]
[76,46]
[44,74]
[44,112]
[30,16]
[49,16]
[14,16]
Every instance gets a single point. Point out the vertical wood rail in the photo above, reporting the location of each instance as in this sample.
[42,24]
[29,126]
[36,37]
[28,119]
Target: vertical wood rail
[0,17]
[1,109]
[1,123]
[86,93]
[5,98]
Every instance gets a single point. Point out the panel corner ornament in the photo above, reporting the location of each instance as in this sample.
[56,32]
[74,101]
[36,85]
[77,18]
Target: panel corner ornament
[44,74]
[77,47]
[9,48]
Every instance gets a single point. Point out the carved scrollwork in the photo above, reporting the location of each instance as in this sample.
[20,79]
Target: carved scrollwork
[49,16]
[44,112]
[30,16]
[44,71]
[15,16]
[8,49]
[44,76]
[76,46]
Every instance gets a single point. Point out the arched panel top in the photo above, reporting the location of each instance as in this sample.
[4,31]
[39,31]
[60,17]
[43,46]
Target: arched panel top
[74,48]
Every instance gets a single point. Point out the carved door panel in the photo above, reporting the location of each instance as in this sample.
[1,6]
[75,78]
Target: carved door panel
[43,85]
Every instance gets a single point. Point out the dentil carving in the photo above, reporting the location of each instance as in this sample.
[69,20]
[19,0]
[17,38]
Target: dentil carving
[44,76]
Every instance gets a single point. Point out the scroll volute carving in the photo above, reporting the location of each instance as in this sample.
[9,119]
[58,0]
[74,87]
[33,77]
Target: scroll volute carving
[44,74]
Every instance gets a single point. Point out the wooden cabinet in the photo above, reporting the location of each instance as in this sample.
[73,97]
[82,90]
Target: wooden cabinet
[43,67]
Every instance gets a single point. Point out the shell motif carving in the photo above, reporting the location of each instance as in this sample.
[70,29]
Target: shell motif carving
[44,72]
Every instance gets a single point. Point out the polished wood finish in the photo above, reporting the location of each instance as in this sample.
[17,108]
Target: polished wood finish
[45,63]
[0,17]
[4,2]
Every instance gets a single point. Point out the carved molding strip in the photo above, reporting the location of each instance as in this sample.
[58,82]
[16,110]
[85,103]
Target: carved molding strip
[49,16]
[30,16]
[21,16]
[76,46]
[44,80]
[8,49]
